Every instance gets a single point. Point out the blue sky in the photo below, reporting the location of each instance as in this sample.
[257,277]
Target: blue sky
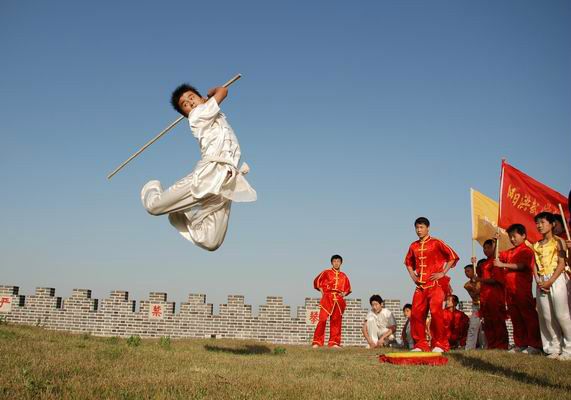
[356,118]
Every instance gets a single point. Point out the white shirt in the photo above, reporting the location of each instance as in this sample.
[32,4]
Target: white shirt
[383,319]
[217,140]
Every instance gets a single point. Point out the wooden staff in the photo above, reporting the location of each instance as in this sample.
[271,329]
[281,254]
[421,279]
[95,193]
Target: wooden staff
[163,132]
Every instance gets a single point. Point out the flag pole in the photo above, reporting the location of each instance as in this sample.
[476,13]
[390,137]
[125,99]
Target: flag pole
[163,132]
[473,234]
[564,221]
[497,249]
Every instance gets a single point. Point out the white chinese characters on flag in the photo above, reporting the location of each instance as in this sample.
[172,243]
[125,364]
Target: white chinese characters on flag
[5,304]
[312,316]
[156,311]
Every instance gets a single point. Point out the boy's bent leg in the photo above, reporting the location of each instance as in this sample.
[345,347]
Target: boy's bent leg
[206,224]
[176,198]
[373,329]
[211,231]
[418,320]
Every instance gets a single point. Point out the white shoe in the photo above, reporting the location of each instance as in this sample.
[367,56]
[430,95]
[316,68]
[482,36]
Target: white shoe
[516,349]
[553,356]
[416,349]
[437,350]
[531,351]
[564,357]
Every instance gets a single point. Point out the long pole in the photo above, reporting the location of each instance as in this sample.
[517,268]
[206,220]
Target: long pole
[497,249]
[564,222]
[163,132]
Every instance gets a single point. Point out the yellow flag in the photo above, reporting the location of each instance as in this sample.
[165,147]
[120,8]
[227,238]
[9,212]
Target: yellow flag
[485,220]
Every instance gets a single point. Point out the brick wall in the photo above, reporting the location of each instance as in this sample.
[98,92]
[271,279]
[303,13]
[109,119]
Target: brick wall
[156,317]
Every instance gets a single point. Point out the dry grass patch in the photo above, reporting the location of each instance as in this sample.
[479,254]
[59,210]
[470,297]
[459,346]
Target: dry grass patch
[50,365]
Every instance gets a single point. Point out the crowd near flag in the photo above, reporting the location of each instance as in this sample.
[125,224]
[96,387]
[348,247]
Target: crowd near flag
[522,198]
[485,220]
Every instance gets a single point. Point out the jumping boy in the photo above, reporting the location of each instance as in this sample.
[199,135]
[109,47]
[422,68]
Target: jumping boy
[551,292]
[428,260]
[517,262]
[334,286]
[199,204]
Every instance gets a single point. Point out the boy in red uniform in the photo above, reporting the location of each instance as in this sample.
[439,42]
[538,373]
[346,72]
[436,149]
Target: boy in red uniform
[427,261]
[493,300]
[334,286]
[517,262]
[456,323]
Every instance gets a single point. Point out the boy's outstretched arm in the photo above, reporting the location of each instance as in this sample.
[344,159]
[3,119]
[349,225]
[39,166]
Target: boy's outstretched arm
[219,93]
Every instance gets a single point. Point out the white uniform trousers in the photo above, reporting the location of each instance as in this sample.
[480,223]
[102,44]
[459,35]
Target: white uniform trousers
[554,317]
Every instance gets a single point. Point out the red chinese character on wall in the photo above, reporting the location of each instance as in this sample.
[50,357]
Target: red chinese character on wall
[4,300]
[157,311]
[314,316]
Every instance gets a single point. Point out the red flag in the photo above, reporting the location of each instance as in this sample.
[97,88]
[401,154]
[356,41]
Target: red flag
[522,198]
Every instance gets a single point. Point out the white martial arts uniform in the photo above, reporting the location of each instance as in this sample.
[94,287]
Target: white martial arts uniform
[199,204]
[378,324]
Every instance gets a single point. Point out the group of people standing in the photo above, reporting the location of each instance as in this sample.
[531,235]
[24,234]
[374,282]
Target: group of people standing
[504,285]
[500,287]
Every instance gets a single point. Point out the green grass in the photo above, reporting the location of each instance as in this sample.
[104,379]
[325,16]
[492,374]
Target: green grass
[36,363]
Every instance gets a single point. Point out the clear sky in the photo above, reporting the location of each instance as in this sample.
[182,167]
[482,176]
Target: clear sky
[355,117]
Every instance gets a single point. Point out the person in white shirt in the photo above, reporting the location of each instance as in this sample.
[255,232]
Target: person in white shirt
[198,205]
[380,325]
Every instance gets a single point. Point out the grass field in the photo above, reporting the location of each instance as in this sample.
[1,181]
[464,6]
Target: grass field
[36,363]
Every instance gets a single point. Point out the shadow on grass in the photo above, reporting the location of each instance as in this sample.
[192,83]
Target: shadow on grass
[246,350]
[488,367]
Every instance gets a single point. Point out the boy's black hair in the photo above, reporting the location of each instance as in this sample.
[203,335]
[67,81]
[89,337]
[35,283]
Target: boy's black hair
[545,215]
[407,305]
[469,266]
[376,298]
[480,262]
[455,299]
[336,257]
[559,218]
[178,92]
[489,242]
[422,221]
[517,228]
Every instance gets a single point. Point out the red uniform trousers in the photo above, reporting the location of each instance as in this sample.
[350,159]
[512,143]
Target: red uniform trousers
[422,300]
[334,327]
[492,310]
[521,309]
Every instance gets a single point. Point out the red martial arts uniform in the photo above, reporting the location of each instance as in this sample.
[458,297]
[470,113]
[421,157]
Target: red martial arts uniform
[519,299]
[456,323]
[332,304]
[425,258]
[493,306]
